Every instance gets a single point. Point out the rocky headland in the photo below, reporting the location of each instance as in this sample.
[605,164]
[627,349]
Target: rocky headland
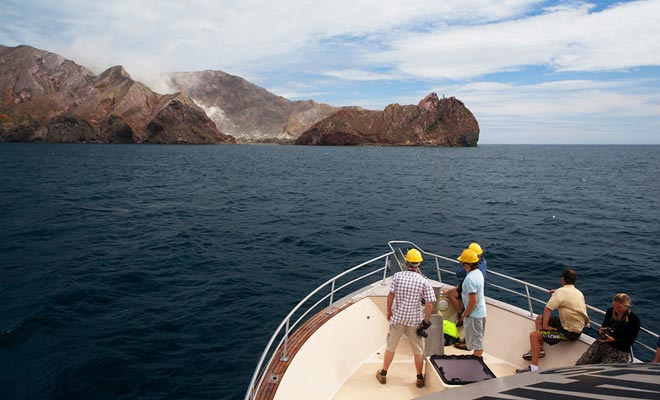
[45,97]
[432,122]
[48,98]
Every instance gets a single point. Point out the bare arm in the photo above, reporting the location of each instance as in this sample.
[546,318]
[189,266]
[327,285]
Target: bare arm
[390,300]
[546,320]
[427,311]
[472,302]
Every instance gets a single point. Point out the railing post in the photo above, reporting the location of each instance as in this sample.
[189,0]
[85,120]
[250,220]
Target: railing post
[387,264]
[529,302]
[437,268]
[285,357]
[332,296]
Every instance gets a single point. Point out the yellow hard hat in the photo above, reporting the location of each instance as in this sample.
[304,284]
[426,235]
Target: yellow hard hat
[477,249]
[414,256]
[468,256]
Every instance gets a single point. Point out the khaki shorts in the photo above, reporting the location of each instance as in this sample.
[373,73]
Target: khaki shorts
[394,336]
[474,330]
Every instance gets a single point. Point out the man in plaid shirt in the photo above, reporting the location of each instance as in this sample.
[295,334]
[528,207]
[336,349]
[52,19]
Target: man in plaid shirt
[407,291]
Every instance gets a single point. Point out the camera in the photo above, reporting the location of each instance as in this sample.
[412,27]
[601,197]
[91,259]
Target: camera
[422,328]
[607,331]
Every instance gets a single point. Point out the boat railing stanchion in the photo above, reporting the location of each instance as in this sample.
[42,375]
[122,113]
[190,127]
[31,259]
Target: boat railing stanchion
[387,264]
[529,301]
[285,357]
[437,268]
[332,296]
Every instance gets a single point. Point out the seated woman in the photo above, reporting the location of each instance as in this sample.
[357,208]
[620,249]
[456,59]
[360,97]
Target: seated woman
[618,332]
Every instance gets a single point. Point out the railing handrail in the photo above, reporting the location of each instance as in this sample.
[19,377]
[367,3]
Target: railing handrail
[260,370]
[252,389]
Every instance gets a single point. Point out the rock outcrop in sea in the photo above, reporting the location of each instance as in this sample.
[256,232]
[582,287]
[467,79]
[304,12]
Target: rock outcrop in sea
[45,97]
[432,122]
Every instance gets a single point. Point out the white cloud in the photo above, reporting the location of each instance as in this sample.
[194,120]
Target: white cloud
[562,98]
[358,75]
[236,33]
[567,39]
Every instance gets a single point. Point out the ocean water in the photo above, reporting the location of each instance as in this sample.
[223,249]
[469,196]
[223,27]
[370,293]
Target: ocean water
[160,272]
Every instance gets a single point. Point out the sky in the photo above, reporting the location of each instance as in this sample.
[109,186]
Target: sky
[532,72]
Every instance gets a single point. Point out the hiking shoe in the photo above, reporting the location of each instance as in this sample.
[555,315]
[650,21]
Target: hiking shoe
[381,378]
[523,370]
[420,381]
[461,345]
[528,356]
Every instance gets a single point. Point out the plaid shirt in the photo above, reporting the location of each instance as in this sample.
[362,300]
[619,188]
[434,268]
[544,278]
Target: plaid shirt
[409,288]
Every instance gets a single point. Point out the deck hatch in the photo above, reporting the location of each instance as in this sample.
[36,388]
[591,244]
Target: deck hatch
[461,369]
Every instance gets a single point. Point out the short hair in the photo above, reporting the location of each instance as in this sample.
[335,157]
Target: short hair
[622,299]
[569,276]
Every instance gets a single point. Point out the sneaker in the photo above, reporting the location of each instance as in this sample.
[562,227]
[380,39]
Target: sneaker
[420,381]
[528,356]
[461,345]
[381,378]
[523,370]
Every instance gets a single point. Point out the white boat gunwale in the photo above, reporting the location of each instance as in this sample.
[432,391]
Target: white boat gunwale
[286,328]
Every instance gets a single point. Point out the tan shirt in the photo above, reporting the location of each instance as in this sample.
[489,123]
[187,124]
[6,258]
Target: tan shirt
[571,306]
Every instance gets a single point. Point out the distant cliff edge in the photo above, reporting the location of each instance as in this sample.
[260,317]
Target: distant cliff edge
[432,122]
[45,97]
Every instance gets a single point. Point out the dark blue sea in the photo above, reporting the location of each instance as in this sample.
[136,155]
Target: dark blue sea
[160,272]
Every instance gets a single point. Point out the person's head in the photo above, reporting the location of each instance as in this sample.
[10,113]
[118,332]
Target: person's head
[413,258]
[621,302]
[569,276]
[469,258]
[477,249]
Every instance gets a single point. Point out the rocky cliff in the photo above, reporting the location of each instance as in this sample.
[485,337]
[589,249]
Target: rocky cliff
[432,122]
[246,111]
[45,97]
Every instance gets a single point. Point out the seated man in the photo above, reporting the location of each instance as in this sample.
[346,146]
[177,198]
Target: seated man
[572,308]
[454,294]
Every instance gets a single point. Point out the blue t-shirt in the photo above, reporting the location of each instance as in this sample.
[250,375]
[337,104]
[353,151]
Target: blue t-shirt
[474,283]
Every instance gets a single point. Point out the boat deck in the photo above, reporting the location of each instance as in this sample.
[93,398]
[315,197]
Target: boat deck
[335,353]
[401,375]
[346,349]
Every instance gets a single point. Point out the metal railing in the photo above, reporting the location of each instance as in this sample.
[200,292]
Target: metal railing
[286,327]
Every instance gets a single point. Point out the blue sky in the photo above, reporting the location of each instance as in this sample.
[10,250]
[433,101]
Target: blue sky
[530,71]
